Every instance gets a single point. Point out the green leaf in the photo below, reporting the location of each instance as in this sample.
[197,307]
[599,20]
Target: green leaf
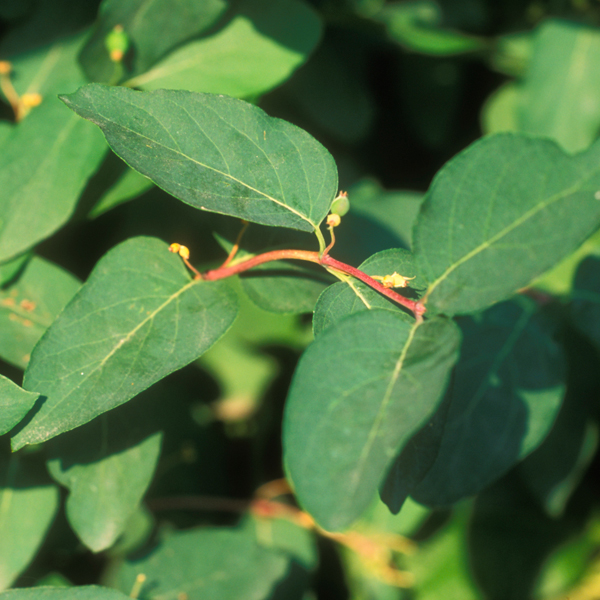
[107,465]
[28,505]
[154,27]
[344,298]
[585,306]
[129,185]
[361,390]
[29,305]
[285,287]
[258,49]
[15,403]
[138,318]
[561,93]
[216,153]
[192,563]
[416,25]
[505,394]
[48,157]
[84,592]
[501,213]
[10,269]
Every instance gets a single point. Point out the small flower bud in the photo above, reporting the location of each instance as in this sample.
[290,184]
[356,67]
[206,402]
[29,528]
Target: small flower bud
[333,220]
[341,205]
[117,43]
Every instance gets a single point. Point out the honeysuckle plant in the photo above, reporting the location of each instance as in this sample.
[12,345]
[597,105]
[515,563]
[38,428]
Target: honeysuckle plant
[455,364]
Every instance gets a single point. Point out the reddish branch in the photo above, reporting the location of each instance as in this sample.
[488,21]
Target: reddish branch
[325,260]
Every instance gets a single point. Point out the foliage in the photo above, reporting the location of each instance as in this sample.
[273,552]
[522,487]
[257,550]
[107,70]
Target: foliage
[176,426]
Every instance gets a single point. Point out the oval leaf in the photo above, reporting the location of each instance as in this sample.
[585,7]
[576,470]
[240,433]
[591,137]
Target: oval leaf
[138,318]
[500,214]
[15,403]
[506,391]
[361,390]
[216,153]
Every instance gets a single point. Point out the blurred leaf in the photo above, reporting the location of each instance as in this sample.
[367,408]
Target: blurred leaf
[508,529]
[29,305]
[258,49]
[107,465]
[129,185]
[345,298]
[585,306]
[416,25]
[238,161]
[361,390]
[84,592]
[499,113]
[494,218]
[48,157]
[561,93]
[29,504]
[15,403]
[214,563]
[506,391]
[441,566]
[138,318]
[10,269]
[154,27]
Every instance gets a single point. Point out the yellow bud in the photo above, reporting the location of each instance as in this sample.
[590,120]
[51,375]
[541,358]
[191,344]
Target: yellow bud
[333,220]
[31,99]
[174,247]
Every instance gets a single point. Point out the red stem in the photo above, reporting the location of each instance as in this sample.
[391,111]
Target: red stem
[325,260]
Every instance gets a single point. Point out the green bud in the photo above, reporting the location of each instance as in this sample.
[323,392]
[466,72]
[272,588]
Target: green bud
[117,43]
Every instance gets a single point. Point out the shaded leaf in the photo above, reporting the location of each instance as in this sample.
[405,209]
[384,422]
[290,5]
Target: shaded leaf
[128,186]
[28,504]
[258,49]
[214,563]
[500,214]
[361,390]
[154,27]
[15,403]
[29,305]
[48,157]
[10,269]
[505,394]
[107,465]
[585,306]
[84,592]
[138,318]
[216,153]
[344,298]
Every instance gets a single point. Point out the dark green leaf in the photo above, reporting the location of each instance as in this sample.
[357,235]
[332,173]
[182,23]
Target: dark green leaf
[505,393]
[216,153]
[85,592]
[285,287]
[258,49]
[361,390]
[15,403]
[345,298]
[129,185]
[154,27]
[29,305]
[138,318]
[585,308]
[193,563]
[500,214]
[28,505]
[48,157]
[107,466]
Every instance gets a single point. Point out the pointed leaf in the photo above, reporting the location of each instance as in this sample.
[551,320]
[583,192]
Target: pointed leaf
[344,298]
[107,465]
[361,390]
[138,318]
[15,403]
[29,305]
[28,503]
[258,49]
[47,157]
[506,391]
[216,153]
[154,27]
[501,213]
